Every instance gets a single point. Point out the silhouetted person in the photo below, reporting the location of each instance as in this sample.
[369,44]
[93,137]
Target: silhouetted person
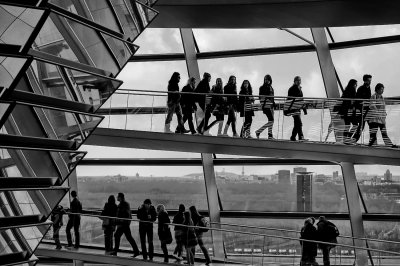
[178,219]
[173,105]
[189,238]
[147,215]
[377,117]
[74,220]
[57,219]
[246,108]
[232,105]
[309,249]
[347,111]
[295,91]
[217,107]
[123,226]
[110,209]
[198,220]
[326,232]
[363,92]
[267,102]
[188,104]
[164,233]
[203,87]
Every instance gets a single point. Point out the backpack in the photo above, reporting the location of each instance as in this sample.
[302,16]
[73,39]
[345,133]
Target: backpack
[331,231]
[203,222]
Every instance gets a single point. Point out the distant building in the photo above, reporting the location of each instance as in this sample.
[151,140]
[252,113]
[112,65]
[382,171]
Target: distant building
[335,175]
[304,191]
[119,178]
[320,178]
[387,177]
[284,177]
[294,174]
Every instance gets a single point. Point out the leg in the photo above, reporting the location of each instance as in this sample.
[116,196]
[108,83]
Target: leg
[77,224]
[128,235]
[193,253]
[108,239]
[149,233]
[190,121]
[203,248]
[68,231]
[56,236]
[142,234]
[294,130]
[325,254]
[168,118]
[165,251]
[117,235]
[373,130]
[385,136]
[178,112]
[270,115]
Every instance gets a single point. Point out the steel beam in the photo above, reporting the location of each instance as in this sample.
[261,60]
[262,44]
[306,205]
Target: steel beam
[356,219]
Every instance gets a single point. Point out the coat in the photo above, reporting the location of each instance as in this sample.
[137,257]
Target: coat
[124,211]
[173,98]
[146,215]
[231,100]
[202,87]
[75,207]
[294,105]
[189,237]
[246,104]
[109,210]
[266,102]
[188,101]
[178,219]
[218,102]
[309,232]
[363,92]
[346,107]
[163,227]
[322,234]
[377,110]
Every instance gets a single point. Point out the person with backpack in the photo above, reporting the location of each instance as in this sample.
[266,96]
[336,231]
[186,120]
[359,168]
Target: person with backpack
[57,219]
[327,232]
[164,232]
[199,220]
[178,219]
[110,209]
[147,215]
[309,249]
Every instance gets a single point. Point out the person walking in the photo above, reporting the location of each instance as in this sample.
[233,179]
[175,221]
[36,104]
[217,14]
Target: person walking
[267,102]
[74,220]
[178,219]
[203,87]
[189,237]
[199,220]
[188,104]
[246,108]
[57,219]
[377,117]
[123,226]
[363,92]
[164,232]
[173,105]
[110,209]
[326,232]
[147,215]
[309,249]
[348,112]
[231,105]
[296,105]
[217,107]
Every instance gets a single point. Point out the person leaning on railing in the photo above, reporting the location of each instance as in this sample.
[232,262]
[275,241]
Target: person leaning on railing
[308,249]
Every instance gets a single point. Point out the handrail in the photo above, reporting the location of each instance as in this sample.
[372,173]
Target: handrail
[296,231]
[240,232]
[163,93]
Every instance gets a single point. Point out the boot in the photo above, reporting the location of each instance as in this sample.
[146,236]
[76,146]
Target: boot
[220,125]
[167,128]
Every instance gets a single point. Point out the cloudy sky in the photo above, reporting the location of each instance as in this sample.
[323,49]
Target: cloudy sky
[382,61]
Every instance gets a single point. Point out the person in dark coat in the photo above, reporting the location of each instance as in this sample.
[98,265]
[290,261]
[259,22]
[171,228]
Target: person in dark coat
[217,107]
[110,209]
[347,111]
[188,104]
[178,219]
[147,215]
[164,233]
[174,105]
[74,220]
[309,249]
[295,91]
[197,217]
[267,102]
[189,238]
[124,211]
[57,219]
[246,108]
[231,105]
[326,232]
[363,92]
[203,87]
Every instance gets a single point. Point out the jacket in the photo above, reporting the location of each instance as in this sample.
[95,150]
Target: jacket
[218,102]
[163,221]
[188,101]
[309,232]
[377,110]
[266,102]
[57,216]
[173,98]
[75,207]
[124,211]
[363,92]
[202,87]
[109,210]
[146,215]
[294,105]
[347,105]
[231,100]
[246,104]
[322,233]
[178,219]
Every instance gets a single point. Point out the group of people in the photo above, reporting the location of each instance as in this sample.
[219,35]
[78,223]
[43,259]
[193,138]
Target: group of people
[325,231]
[211,101]
[187,237]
